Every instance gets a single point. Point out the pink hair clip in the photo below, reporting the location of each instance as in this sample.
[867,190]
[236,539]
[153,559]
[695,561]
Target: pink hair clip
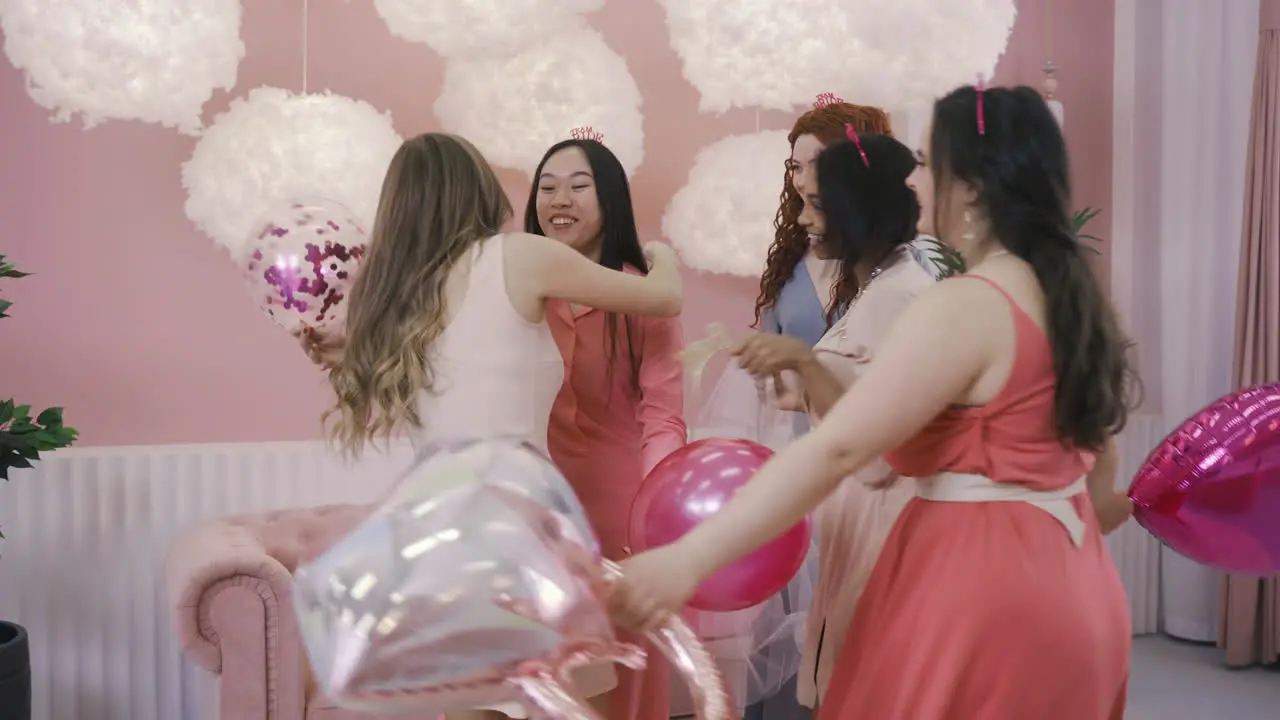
[853,135]
[982,121]
[825,99]
[586,132]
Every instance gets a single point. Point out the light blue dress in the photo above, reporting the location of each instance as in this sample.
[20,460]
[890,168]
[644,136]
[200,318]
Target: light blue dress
[800,313]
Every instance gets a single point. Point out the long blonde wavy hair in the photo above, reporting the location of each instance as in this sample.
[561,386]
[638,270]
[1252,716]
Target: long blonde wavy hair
[439,198]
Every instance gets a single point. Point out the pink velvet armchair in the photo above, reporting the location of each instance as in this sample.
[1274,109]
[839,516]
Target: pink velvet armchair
[230,588]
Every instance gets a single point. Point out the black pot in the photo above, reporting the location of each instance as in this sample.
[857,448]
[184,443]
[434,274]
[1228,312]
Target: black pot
[15,673]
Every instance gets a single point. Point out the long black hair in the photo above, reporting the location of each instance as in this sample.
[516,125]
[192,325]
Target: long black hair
[870,212]
[1018,168]
[620,243]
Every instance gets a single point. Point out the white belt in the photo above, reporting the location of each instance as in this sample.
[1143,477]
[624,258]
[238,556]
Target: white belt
[963,487]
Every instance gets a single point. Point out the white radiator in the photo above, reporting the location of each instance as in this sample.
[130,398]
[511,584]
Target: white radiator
[88,530]
[82,568]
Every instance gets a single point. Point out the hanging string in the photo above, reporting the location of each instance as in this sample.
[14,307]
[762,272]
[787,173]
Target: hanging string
[305,39]
[757,121]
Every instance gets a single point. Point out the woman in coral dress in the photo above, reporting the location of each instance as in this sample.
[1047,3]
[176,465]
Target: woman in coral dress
[994,596]
[863,216]
[620,409]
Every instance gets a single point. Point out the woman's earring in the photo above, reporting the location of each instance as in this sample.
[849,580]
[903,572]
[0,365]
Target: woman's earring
[968,235]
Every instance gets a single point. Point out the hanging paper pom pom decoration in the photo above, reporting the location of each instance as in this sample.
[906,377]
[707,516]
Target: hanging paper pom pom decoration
[772,54]
[302,261]
[911,53]
[275,146]
[492,27]
[108,60]
[767,54]
[514,108]
[721,221]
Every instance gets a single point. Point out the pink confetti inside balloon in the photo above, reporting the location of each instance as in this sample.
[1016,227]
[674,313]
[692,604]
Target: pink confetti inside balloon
[1211,490]
[302,261]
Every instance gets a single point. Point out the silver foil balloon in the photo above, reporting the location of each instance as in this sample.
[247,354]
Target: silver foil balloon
[476,582]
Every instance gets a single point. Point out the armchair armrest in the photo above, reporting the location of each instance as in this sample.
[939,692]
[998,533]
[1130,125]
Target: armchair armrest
[231,599]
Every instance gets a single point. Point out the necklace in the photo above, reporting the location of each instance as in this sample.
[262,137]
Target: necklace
[862,289]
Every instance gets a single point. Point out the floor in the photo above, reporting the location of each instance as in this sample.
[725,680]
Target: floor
[1174,680]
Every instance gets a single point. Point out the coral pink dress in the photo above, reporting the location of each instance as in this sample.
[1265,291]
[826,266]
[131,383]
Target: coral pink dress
[611,423]
[852,523]
[994,597]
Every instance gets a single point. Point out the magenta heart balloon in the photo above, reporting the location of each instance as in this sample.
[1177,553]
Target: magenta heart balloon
[1211,490]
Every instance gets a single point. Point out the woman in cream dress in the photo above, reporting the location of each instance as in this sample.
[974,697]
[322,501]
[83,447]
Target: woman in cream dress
[861,212]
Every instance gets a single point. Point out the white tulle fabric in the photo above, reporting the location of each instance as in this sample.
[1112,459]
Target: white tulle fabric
[760,648]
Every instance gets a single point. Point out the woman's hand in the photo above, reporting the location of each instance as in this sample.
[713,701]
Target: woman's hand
[659,255]
[1112,511]
[324,350]
[785,397]
[770,354]
[654,585]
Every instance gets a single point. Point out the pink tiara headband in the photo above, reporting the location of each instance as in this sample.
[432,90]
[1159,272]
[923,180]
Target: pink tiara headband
[981,87]
[853,135]
[825,99]
[586,132]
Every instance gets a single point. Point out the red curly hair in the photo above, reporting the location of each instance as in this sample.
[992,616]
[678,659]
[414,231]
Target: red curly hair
[790,241]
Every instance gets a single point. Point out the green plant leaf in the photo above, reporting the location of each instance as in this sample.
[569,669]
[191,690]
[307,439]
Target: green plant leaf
[6,411]
[8,270]
[50,417]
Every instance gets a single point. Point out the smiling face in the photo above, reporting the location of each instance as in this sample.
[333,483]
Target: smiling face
[813,220]
[568,209]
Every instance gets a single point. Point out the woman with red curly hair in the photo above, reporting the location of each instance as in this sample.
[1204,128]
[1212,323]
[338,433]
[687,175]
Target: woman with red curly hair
[798,290]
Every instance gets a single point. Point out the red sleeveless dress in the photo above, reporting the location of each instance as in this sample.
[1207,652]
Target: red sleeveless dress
[988,610]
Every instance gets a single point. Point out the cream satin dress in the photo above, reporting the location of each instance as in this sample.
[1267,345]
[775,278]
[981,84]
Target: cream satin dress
[852,524]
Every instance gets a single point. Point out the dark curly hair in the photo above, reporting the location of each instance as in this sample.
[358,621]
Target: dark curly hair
[790,242]
[870,211]
[1019,169]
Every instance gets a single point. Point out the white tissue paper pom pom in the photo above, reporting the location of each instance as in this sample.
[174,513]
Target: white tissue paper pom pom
[276,146]
[492,27]
[771,54]
[145,60]
[912,52]
[721,221]
[514,108]
[777,54]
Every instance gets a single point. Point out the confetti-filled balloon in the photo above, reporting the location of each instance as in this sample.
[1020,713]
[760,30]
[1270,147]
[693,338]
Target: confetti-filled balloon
[302,261]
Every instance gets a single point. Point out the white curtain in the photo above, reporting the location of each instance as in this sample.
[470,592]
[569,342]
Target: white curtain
[1184,81]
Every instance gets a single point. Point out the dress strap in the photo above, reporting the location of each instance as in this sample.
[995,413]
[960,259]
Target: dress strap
[992,283]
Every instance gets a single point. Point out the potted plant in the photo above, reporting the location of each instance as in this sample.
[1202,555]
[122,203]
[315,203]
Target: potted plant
[22,439]
[950,263]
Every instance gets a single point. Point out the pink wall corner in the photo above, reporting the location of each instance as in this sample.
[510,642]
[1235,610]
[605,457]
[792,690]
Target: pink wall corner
[1081,37]
[141,328]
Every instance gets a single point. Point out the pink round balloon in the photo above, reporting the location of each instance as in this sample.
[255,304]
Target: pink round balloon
[695,482]
[1211,490]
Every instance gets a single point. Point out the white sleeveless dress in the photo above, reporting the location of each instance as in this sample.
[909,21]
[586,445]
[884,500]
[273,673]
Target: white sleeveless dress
[497,374]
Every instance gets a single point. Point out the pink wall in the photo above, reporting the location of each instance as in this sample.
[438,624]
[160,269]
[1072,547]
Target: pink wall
[140,327]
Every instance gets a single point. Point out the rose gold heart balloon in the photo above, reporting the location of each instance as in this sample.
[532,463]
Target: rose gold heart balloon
[476,583]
